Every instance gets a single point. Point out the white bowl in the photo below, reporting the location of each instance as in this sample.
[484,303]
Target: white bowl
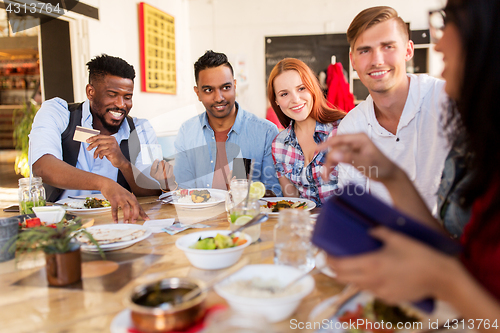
[49,214]
[211,259]
[275,309]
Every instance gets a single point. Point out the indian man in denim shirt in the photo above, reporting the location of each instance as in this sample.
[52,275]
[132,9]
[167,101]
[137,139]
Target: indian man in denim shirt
[207,144]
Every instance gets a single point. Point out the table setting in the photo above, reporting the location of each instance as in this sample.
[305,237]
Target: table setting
[185,249]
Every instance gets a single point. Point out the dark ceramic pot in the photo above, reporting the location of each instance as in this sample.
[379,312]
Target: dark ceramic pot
[64,268]
[8,234]
[157,319]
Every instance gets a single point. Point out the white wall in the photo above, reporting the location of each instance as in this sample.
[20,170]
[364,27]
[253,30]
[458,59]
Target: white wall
[117,33]
[235,27]
[238,28]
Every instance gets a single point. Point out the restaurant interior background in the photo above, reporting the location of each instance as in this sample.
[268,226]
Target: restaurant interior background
[254,34]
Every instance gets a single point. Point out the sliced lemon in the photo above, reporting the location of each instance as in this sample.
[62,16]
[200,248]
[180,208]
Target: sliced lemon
[257,190]
[243,220]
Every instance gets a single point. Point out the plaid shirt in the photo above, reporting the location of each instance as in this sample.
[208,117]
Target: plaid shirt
[289,162]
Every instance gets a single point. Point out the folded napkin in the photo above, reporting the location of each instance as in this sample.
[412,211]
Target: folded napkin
[157,226]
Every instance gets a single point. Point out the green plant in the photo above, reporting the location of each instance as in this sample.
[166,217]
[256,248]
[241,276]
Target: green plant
[22,120]
[60,239]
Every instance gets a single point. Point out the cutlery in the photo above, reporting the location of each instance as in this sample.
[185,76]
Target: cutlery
[74,197]
[349,292]
[166,195]
[262,217]
[54,204]
[163,201]
[275,289]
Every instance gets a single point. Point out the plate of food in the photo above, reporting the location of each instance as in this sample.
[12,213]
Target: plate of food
[93,204]
[113,236]
[196,197]
[272,206]
[364,313]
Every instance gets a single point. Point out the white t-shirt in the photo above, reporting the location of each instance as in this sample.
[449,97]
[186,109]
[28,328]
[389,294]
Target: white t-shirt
[419,146]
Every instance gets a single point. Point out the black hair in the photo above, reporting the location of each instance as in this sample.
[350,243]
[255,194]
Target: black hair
[108,65]
[211,59]
[476,114]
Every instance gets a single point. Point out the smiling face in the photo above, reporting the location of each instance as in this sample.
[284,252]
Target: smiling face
[292,96]
[450,45]
[379,56]
[216,90]
[110,102]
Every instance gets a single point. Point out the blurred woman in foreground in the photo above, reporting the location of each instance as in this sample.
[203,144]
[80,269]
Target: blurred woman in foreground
[407,270]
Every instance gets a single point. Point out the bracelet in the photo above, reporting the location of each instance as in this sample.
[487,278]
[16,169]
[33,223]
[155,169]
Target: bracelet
[165,191]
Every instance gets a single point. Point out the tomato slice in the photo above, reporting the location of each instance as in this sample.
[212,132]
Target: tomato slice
[34,222]
[240,241]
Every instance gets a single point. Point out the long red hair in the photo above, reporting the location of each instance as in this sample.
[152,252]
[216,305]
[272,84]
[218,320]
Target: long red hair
[322,110]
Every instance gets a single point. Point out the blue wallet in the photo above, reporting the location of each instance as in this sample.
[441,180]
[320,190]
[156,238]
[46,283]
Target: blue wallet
[343,223]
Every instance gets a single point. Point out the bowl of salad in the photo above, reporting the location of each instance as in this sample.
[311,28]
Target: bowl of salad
[213,249]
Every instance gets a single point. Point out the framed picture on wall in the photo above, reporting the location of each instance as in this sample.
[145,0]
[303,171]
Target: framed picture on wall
[157,47]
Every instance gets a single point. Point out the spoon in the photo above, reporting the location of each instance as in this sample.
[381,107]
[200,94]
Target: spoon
[197,291]
[275,289]
[262,217]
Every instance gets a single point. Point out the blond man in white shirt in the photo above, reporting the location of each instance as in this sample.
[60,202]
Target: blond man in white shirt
[402,115]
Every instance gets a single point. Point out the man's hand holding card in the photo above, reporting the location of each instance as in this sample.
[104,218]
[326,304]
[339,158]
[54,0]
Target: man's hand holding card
[107,146]
[82,134]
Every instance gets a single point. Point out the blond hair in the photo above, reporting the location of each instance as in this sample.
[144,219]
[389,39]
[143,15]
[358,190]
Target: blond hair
[370,17]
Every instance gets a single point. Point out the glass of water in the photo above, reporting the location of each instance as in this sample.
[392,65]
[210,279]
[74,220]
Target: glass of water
[241,214]
[239,189]
[292,240]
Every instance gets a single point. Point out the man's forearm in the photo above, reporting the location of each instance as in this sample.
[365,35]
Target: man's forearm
[62,175]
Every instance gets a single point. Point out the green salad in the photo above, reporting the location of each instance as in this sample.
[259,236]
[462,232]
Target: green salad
[218,242]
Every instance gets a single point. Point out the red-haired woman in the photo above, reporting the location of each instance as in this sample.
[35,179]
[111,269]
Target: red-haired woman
[296,97]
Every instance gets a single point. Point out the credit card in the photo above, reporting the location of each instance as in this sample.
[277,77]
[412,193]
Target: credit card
[83,133]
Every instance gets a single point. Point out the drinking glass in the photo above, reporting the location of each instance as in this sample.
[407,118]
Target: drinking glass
[241,213]
[239,189]
[292,240]
[30,196]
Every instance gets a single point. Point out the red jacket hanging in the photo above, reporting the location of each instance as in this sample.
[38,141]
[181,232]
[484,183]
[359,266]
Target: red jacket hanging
[338,89]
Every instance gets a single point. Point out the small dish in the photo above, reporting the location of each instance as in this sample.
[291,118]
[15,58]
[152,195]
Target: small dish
[275,309]
[211,259]
[49,214]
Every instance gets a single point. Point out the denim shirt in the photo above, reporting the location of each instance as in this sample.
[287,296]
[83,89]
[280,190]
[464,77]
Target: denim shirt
[455,178]
[196,150]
